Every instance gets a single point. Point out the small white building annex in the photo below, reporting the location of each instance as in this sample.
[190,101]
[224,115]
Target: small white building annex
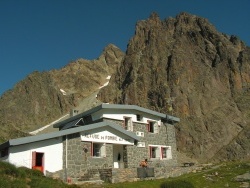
[45,152]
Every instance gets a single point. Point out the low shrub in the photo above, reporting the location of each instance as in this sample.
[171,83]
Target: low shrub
[41,182]
[29,172]
[4,182]
[20,183]
[8,169]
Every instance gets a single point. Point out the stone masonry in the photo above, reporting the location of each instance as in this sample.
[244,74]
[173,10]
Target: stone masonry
[81,166]
[165,136]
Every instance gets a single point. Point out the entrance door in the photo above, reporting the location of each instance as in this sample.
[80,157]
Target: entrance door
[38,161]
[118,156]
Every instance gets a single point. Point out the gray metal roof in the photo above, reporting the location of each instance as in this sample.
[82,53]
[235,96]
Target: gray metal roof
[36,138]
[116,106]
[71,124]
[172,118]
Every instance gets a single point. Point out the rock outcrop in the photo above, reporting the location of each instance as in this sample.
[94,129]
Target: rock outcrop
[43,97]
[180,66]
[185,67]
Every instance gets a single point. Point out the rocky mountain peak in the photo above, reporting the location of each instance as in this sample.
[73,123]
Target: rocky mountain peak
[43,97]
[180,66]
[111,56]
[185,67]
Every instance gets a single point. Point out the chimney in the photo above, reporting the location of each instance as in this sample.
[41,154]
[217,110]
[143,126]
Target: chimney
[73,112]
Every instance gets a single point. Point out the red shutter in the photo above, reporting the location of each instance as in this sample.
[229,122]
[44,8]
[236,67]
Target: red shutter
[43,160]
[33,159]
[92,149]
[162,152]
[150,152]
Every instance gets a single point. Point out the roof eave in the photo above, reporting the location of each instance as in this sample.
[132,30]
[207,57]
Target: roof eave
[172,119]
[60,124]
[116,106]
[4,145]
[36,138]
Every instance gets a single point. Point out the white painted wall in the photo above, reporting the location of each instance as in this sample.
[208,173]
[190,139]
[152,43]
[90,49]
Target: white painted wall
[106,135]
[119,114]
[53,154]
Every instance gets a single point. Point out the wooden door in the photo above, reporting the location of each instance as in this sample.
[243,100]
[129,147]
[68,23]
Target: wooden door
[38,161]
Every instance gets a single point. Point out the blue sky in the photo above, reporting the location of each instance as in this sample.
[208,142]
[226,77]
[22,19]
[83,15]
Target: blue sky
[40,35]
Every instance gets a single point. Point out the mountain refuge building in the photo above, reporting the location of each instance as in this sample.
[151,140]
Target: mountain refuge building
[106,143]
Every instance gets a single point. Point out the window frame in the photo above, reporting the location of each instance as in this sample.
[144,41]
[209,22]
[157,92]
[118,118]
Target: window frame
[154,152]
[138,117]
[161,152]
[126,121]
[153,126]
[101,149]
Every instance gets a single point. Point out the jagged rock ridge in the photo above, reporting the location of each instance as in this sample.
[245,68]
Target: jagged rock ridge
[44,96]
[184,66]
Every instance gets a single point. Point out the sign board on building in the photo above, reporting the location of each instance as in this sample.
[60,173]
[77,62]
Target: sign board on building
[106,137]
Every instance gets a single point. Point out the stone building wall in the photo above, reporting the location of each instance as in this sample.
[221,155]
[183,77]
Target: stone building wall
[81,166]
[171,140]
[165,136]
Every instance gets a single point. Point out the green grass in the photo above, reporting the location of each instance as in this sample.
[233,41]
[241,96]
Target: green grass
[213,177]
[12,177]
[218,176]
[152,184]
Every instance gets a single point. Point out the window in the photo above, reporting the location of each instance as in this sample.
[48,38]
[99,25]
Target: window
[160,152]
[152,127]
[4,152]
[166,152]
[154,152]
[128,124]
[138,117]
[98,150]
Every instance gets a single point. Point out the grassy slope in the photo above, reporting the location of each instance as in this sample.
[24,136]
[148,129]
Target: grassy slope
[216,177]
[213,177]
[22,177]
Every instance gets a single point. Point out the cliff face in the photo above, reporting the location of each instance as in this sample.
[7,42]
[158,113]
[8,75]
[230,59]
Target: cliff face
[43,97]
[180,66]
[185,67]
